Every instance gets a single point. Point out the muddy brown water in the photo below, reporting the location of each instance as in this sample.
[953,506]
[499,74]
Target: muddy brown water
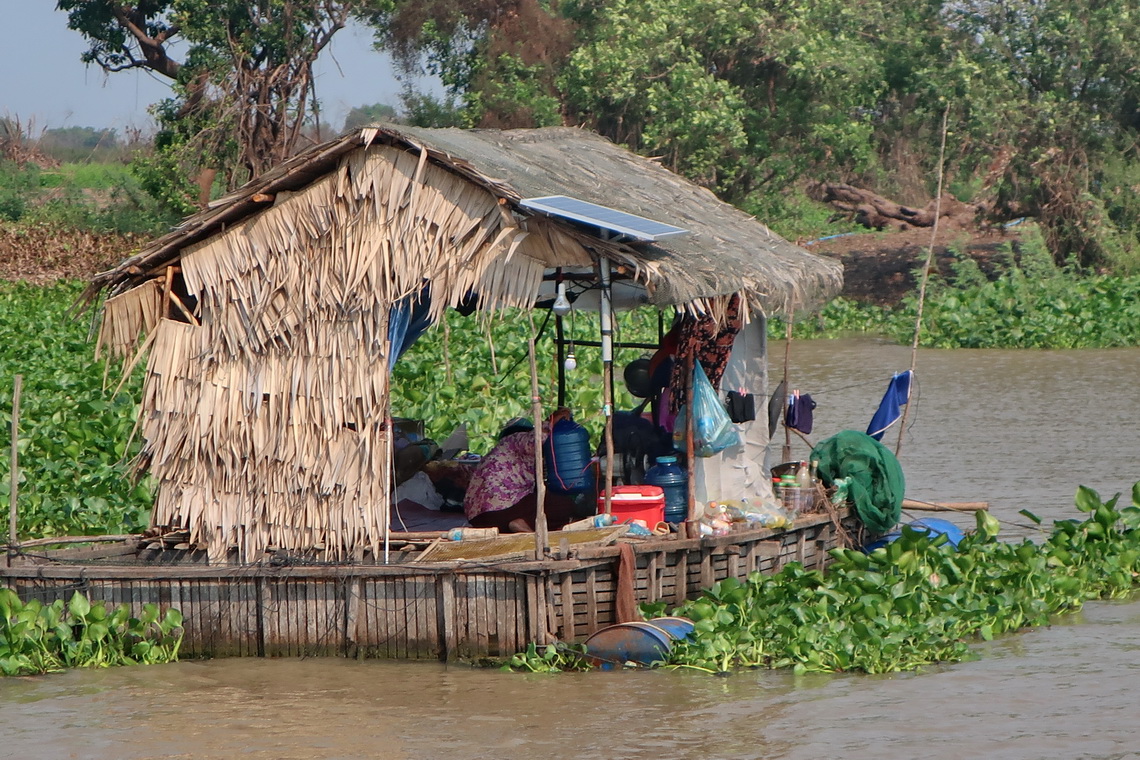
[1019,429]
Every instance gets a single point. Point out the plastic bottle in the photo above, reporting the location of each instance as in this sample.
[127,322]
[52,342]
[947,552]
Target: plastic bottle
[596,521]
[674,482]
[803,476]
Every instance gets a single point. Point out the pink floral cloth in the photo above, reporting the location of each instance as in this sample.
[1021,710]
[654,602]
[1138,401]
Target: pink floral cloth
[504,476]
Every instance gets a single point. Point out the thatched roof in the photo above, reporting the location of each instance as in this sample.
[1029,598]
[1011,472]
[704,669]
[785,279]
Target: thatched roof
[727,251]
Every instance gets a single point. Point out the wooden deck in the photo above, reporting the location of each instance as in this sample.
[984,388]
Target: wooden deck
[440,610]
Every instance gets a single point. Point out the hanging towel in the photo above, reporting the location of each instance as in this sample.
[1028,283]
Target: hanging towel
[800,406]
[625,597]
[890,408]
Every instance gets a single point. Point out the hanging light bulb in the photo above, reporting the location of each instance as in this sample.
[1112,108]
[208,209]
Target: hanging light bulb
[571,362]
[561,305]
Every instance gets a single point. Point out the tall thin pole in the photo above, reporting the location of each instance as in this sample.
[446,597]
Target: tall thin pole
[14,472]
[607,374]
[541,539]
[560,340]
[925,276]
[787,451]
[694,530]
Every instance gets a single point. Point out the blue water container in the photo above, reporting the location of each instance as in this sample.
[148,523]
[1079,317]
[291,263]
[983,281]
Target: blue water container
[566,454]
[675,483]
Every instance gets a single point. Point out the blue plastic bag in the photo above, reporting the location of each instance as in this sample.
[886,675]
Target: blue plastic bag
[713,430]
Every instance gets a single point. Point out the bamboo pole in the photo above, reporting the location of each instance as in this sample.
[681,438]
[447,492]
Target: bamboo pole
[607,375]
[560,342]
[925,277]
[63,540]
[14,470]
[946,506]
[694,530]
[787,450]
[541,538]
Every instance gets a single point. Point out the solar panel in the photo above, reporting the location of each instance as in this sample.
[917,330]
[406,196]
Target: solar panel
[630,225]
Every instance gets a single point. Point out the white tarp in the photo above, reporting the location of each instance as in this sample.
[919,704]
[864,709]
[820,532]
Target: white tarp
[738,471]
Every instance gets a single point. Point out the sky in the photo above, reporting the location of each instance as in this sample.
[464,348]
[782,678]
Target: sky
[45,84]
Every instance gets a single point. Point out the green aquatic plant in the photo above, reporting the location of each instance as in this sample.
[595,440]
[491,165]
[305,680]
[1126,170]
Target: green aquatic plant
[916,600]
[549,658]
[75,441]
[42,638]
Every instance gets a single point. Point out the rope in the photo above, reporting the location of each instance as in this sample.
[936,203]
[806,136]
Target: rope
[925,274]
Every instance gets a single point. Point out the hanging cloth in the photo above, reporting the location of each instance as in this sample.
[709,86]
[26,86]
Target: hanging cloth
[708,343]
[890,408]
[800,408]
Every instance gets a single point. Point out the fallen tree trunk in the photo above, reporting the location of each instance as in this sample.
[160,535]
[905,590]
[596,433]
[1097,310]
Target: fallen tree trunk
[874,211]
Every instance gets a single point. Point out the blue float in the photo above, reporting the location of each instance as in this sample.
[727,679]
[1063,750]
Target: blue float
[932,526]
[638,643]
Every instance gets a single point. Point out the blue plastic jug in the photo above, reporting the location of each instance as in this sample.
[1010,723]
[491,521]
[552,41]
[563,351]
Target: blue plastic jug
[675,483]
[566,454]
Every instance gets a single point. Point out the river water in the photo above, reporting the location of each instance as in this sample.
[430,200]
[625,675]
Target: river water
[1018,429]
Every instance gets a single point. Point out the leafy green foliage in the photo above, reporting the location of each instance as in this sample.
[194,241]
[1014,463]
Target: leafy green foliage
[18,185]
[37,638]
[472,392]
[363,116]
[73,436]
[915,601]
[101,198]
[1031,304]
[750,97]
[550,658]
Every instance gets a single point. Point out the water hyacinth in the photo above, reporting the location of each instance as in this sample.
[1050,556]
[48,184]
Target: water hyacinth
[37,638]
[916,600]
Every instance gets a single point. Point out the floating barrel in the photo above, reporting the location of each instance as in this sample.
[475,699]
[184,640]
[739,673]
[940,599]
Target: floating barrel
[638,642]
[932,526]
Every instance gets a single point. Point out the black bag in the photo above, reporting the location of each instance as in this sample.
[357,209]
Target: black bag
[741,406]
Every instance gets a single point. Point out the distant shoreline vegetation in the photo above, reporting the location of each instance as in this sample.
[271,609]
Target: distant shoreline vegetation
[1029,303]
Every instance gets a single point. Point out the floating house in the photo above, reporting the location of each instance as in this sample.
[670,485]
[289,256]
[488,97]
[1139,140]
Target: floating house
[268,324]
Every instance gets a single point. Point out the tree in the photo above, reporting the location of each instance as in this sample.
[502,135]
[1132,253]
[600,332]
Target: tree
[498,59]
[1070,125]
[242,88]
[362,116]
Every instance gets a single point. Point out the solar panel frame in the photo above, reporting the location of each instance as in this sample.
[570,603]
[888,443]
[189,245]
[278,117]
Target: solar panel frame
[603,217]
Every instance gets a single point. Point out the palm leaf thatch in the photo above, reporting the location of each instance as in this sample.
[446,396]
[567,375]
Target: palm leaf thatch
[265,317]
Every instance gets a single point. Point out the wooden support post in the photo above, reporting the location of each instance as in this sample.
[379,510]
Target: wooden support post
[541,538]
[14,469]
[787,450]
[607,375]
[692,523]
